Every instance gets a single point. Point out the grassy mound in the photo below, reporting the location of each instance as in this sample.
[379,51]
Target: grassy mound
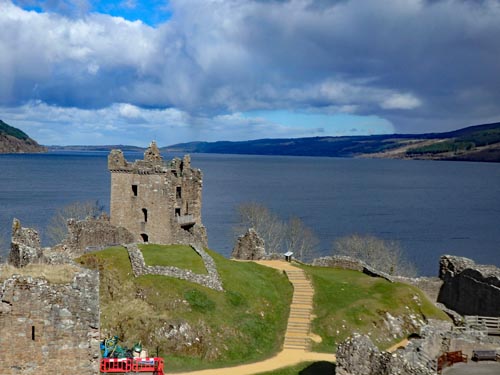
[178,256]
[190,325]
[348,301]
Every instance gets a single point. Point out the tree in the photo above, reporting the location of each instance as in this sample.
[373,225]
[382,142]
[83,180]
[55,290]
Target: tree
[278,236]
[266,224]
[57,228]
[386,256]
[300,239]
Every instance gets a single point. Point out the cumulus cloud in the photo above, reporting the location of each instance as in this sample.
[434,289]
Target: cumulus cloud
[421,65]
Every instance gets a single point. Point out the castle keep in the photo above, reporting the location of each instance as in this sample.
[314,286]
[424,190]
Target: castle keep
[158,202]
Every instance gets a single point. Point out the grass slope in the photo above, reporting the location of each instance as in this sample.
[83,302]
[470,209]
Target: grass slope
[348,301]
[245,323]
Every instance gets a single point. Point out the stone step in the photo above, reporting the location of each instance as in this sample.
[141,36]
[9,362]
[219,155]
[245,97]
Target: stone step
[292,328]
[300,310]
[300,319]
[304,318]
[302,302]
[297,341]
[298,331]
[302,344]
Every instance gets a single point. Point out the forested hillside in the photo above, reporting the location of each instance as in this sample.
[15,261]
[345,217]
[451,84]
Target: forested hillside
[13,140]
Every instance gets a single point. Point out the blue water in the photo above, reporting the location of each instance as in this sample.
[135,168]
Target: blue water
[430,207]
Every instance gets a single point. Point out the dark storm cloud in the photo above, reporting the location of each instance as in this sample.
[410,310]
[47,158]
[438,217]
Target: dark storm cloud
[421,64]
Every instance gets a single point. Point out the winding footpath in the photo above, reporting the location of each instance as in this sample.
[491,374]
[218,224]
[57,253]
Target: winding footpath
[296,348]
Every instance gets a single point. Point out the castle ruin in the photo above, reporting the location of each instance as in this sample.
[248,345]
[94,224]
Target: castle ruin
[158,202]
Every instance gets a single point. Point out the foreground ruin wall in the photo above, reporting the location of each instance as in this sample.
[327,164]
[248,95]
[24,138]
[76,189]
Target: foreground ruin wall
[469,288]
[49,328]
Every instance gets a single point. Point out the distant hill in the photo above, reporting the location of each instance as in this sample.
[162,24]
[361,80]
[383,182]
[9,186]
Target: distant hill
[474,143]
[13,140]
[96,148]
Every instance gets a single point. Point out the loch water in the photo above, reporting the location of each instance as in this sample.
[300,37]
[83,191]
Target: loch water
[430,207]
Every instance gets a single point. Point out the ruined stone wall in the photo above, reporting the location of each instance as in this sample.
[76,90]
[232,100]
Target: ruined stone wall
[94,234]
[25,246]
[156,199]
[49,328]
[349,263]
[249,246]
[210,280]
[469,288]
[339,261]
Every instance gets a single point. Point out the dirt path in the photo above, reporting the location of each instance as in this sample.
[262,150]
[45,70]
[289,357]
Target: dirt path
[297,336]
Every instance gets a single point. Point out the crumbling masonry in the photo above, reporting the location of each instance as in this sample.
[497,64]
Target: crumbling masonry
[46,327]
[157,202]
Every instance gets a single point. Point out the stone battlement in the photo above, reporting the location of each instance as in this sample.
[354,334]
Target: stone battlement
[152,163]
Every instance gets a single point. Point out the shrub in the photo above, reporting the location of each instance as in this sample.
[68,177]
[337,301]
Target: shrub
[198,300]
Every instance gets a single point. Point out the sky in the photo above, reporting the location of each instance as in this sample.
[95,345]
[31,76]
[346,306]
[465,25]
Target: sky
[127,72]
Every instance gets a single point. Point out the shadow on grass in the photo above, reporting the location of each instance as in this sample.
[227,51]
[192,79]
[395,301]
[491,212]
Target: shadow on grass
[319,368]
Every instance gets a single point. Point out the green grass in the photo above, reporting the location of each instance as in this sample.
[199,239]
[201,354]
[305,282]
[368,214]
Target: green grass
[247,322]
[180,256]
[243,324]
[348,301]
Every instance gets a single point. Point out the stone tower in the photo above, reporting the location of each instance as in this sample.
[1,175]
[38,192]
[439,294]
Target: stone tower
[157,202]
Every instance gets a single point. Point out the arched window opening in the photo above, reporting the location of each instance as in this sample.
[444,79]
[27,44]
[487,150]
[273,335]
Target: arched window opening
[145,213]
[145,237]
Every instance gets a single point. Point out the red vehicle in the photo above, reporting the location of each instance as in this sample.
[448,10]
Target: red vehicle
[153,366]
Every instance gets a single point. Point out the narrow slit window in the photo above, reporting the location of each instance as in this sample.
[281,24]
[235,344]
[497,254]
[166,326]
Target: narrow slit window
[134,190]
[145,213]
[33,333]
[178,192]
